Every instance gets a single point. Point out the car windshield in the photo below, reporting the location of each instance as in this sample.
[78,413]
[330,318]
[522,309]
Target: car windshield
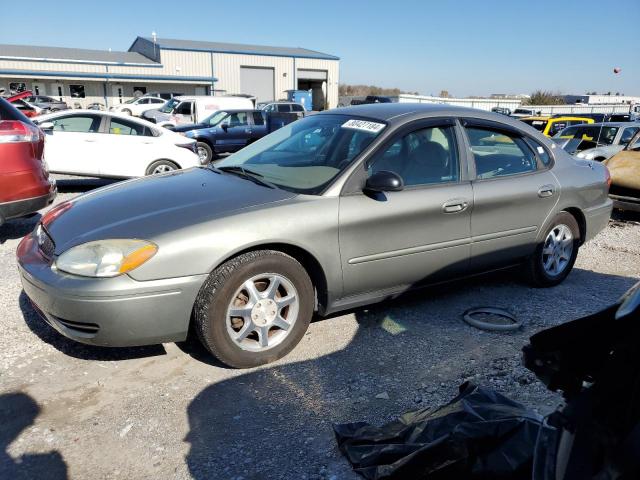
[261,105]
[132,100]
[168,106]
[306,155]
[537,124]
[215,118]
[600,135]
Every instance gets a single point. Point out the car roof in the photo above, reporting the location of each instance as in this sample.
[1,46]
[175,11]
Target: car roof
[388,112]
[613,124]
[117,115]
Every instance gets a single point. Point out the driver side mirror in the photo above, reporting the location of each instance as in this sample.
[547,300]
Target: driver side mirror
[384,181]
[47,127]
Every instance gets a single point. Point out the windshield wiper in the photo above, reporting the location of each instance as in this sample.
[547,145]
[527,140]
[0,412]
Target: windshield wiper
[255,177]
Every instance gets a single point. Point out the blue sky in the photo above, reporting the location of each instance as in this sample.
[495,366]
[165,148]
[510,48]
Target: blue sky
[468,47]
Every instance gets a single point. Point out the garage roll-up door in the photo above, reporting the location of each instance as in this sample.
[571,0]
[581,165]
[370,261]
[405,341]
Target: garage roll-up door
[258,82]
[312,74]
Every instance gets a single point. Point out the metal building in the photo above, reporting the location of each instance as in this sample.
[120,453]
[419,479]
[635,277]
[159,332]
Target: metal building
[169,67]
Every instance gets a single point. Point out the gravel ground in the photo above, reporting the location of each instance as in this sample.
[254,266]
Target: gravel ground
[169,411]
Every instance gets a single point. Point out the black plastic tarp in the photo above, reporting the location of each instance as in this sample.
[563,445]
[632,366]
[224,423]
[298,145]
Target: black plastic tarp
[480,434]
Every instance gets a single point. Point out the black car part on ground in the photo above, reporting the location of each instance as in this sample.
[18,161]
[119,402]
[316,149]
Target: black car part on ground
[480,434]
[594,362]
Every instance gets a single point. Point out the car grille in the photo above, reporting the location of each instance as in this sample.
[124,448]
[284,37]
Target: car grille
[45,242]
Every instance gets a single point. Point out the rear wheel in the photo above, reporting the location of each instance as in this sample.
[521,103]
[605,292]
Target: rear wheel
[254,309]
[555,256]
[161,166]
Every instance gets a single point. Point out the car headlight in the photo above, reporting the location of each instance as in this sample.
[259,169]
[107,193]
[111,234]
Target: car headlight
[106,258]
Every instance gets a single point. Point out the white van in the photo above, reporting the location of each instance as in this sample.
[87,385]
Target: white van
[194,109]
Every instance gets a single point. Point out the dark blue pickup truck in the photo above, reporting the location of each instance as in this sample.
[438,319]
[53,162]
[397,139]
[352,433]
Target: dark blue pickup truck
[230,130]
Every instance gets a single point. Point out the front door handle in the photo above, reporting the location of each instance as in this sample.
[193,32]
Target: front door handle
[545,191]
[455,206]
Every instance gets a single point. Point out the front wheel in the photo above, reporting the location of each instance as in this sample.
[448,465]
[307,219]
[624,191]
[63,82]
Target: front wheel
[254,309]
[205,153]
[555,256]
[161,166]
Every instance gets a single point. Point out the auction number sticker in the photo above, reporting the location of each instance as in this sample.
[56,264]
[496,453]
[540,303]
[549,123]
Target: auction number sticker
[364,125]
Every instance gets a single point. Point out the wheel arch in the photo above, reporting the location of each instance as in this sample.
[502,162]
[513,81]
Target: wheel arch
[308,261]
[576,213]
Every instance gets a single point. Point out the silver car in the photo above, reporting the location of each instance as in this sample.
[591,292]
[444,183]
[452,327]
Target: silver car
[596,141]
[337,210]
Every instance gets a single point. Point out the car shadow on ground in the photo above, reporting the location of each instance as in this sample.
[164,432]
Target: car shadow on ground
[18,227]
[275,421]
[81,185]
[78,350]
[18,412]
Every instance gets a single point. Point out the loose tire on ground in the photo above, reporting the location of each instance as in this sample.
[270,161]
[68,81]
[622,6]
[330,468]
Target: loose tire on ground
[218,300]
[540,268]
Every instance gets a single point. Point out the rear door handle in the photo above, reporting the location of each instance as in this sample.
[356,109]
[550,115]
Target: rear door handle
[455,206]
[545,191]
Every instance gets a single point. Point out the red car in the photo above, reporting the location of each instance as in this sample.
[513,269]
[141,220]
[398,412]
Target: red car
[18,101]
[25,186]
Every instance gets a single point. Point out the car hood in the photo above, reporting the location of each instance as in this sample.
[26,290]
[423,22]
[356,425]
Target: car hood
[149,207]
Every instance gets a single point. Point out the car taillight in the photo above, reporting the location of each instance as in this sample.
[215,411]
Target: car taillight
[189,146]
[15,131]
[607,176]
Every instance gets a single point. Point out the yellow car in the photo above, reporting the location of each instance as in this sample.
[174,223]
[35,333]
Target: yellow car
[552,125]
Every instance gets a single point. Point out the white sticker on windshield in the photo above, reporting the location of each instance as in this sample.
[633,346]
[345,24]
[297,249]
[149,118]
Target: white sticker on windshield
[541,150]
[372,127]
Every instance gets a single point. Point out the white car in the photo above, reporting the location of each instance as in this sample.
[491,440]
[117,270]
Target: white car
[103,144]
[137,106]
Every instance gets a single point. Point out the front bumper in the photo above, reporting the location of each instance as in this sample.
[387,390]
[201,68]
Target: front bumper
[20,208]
[114,312]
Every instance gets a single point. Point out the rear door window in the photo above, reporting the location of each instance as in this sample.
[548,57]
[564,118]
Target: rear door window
[498,153]
[125,127]
[297,108]
[627,135]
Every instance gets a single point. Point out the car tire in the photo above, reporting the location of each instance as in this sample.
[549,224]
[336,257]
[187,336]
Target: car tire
[207,150]
[161,166]
[556,253]
[125,111]
[243,341]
